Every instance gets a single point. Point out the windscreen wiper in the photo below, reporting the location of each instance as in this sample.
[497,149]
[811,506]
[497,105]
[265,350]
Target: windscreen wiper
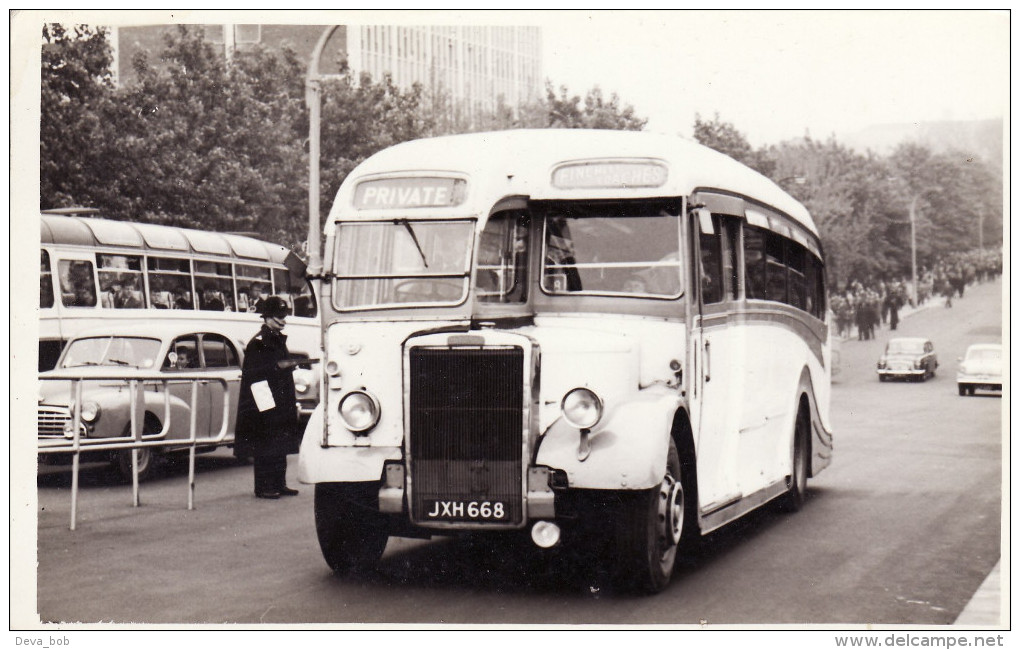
[414,238]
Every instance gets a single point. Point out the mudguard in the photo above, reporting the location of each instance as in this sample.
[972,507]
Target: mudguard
[627,449]
[821,439]
[318,464]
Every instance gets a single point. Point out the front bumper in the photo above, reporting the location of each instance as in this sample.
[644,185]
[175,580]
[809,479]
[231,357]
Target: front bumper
[989,382]
[539,501]
[900,372]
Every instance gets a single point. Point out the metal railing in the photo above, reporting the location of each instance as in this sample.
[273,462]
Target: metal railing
[137,384]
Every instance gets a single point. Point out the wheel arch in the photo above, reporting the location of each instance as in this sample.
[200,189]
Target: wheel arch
[819,440]
[682,433]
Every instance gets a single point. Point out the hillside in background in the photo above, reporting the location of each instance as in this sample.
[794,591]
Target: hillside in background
[980,138]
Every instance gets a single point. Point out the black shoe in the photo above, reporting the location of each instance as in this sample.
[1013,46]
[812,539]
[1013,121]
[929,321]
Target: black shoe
[267,495]
[288,492]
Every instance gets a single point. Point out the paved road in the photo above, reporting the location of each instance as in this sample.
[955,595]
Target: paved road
[901,529]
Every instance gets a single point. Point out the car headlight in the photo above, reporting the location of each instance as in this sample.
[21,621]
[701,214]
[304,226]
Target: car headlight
[360,411]
[918,363]
[881,363]
[582,408]
[302,380]
[89,411]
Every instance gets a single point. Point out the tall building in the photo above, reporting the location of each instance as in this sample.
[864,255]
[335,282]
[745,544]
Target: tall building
[476,67]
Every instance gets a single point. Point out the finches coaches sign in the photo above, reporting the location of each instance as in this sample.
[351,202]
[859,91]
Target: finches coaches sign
[418,192]
[609,175]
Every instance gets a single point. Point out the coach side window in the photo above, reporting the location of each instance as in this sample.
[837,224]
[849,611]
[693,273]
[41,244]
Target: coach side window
[170,283]
[815,284]
[45,281]
[120,281]
[754,263]
[797,263]
[775,268]
[730,244]
[503,259]
[77,283]
[215,284]
[711,261]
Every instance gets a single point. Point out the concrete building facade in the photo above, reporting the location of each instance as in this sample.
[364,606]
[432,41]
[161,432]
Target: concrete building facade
[476,67]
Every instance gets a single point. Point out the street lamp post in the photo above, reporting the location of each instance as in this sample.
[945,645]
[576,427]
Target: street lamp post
[913,246]
[981,229]
[313,99]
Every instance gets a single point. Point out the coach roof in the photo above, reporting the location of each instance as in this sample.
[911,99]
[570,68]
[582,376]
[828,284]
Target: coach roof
[520,162]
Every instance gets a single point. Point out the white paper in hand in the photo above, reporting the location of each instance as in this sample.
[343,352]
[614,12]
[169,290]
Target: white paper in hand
[263,396]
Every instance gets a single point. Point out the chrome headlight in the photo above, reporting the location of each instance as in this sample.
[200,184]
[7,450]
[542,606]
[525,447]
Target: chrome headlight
[360,411]
[582,408]
[302,380]
[89,411]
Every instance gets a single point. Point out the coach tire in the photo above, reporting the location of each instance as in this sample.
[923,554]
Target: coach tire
[649,527]
[793,500]
[352,533]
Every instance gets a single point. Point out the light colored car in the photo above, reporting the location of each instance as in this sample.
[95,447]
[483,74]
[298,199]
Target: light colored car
[981,367]
[171,349]
[911,358]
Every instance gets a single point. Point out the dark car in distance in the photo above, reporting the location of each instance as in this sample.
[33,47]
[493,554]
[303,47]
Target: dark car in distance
[910,358]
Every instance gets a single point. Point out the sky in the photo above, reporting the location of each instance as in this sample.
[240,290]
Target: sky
[773,74]
[782,74]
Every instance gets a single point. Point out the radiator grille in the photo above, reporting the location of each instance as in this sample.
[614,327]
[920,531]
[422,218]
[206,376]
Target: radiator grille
[466,431]
[52,420]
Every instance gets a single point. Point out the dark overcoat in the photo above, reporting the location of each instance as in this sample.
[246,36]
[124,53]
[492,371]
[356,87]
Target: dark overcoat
[273,432]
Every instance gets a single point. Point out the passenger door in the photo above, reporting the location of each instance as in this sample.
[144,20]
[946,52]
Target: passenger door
[221,361]
[716,347]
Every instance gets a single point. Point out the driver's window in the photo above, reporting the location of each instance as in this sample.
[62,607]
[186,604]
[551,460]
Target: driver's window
[183,354]
[503,259]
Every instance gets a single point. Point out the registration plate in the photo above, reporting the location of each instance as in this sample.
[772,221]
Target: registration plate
[439,510]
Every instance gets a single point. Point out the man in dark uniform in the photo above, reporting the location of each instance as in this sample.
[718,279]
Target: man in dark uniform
[267,414]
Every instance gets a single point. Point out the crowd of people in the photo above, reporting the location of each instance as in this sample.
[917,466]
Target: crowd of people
[861,307]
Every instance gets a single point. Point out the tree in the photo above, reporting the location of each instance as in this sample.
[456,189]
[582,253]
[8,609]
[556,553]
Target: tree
[360,117]
[214,145]
[848,196]
[958,200]
[725,138]
[565,111]
[75,119]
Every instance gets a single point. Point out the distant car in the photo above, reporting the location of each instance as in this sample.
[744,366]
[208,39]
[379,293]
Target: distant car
[908,358]
[169,348]
[981,367]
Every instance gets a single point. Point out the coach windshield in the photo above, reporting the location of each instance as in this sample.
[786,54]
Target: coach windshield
[401,263]
[616,249]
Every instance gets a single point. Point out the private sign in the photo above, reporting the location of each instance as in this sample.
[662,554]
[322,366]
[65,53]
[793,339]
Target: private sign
[409,193]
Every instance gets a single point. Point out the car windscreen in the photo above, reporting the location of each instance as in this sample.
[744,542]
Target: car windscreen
[905,347]
[984,354]
[118,351]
